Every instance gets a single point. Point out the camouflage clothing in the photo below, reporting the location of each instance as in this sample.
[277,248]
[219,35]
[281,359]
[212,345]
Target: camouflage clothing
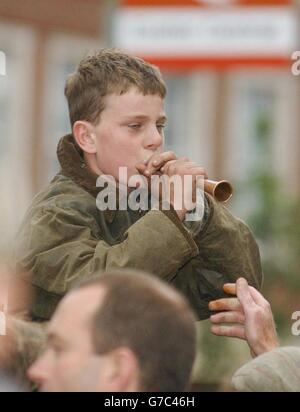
[65,238]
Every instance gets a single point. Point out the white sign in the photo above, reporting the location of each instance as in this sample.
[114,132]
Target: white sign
[162,31]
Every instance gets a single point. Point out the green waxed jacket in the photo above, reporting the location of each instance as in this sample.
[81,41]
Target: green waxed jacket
[65,238]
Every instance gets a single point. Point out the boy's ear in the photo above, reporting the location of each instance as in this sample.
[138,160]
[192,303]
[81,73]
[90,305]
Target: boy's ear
[84,136]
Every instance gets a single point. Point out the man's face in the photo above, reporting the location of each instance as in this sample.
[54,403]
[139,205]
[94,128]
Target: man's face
[69,362]
[130,131]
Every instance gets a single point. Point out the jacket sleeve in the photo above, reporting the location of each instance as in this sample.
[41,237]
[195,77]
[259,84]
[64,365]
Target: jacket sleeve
[226,245]
[59,247]
[227,251]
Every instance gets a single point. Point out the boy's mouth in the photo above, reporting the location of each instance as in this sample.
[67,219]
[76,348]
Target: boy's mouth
[146,161]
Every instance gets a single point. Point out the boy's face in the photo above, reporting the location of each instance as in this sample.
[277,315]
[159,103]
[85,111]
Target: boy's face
[130,131]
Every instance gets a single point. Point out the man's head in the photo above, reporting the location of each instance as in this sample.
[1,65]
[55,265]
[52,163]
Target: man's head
[116,106]
[121,331]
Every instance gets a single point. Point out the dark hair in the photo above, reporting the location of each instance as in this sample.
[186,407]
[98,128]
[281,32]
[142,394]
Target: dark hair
[153,320]
[106,72]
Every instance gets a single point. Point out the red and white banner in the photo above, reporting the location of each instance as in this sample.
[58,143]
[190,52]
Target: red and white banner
[204,3]
[188,34]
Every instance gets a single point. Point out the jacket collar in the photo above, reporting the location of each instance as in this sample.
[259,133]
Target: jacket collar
[72,164]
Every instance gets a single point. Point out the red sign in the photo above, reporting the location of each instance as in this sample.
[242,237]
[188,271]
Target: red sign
[205,3]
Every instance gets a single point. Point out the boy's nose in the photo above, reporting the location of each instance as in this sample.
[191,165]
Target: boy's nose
[153,140]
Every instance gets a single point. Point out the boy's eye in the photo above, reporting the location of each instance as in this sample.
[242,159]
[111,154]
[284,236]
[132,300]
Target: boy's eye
[135,126]
[160,127]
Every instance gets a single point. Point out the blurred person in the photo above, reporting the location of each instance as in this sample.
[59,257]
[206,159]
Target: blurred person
[249,316]
[19,348]
[116,107]
[277,370]
[20,340]
[119,331]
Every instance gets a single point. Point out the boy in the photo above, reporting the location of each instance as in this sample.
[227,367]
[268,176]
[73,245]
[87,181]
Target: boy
[116,106]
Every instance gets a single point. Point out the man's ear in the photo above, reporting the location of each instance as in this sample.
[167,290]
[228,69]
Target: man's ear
[84,136]
[123,372]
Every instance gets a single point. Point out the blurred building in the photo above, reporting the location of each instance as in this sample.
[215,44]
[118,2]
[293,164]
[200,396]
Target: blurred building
[233,105]
[43,41]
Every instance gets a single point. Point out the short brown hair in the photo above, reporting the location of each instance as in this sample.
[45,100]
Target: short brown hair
[153,320]
[107,72]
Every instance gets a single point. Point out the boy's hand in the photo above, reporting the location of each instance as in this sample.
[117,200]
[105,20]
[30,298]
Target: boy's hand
[183,167]
[153,165]
[168,164]
[249,315]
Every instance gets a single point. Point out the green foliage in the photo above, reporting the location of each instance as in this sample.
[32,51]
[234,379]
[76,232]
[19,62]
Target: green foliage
[274,218]
[275,221]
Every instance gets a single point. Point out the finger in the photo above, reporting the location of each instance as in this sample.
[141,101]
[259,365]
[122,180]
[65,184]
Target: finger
[141,167]
[225,304]
[235,331]
[188,164]
[184,167]
[171,167]
[230,288]
[197,171]
[158,160]
[244,295]
[228,317]
[258,297]
[183,159]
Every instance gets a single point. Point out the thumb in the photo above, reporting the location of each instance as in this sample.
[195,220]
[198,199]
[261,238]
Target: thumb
[244,295]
